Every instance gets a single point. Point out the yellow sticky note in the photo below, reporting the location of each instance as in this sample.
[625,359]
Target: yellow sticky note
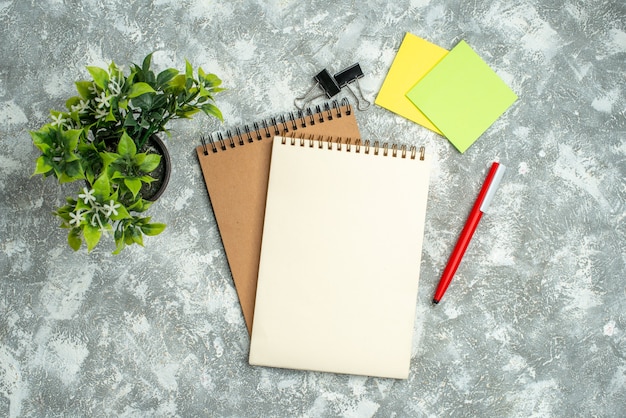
[414,59]
[462,96]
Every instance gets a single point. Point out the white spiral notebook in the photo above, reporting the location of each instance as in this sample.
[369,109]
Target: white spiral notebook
[340,257]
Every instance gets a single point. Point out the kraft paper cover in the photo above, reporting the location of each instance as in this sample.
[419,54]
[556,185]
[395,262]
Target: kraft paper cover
[236,180]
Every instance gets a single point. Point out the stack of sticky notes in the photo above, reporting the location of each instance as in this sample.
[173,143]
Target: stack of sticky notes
[455,93]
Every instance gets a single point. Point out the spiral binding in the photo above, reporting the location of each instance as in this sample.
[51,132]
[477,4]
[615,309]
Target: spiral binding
[289,123]
[339,144]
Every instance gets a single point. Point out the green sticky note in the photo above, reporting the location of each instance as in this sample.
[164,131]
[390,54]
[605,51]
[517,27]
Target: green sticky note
[462,96]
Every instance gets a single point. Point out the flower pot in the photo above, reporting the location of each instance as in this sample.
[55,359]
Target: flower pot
[154,145]
[93,141]
[154,190]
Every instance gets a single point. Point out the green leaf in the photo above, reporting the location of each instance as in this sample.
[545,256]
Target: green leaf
[74,170]
[109,157]
[73,239]
[153,229]
[122,213]
[83,88]
[90,175]
[63,178]
[137,236]
[212,80]
[64,212]
[117,175]
[192,92]
[72,101]
[92,236]
[113,69]
[119,243]
[128,236]
[150,163]
[160,103]
[133,184]
[131,77]
[70,157]
[187,113]
[138,89]
[100,76]
[79,205]
[102,186]
[139,158]
[126,146]
[110,117]
[204,93]
[71,138]
[141,205]
[145,66]
[165,76]
[212,110]
[130,121]
[42,139]
[178,82]
[188,70]
[43,166]
[144,101]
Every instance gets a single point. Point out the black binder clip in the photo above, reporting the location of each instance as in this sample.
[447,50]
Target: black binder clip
[351,75]
[324,81]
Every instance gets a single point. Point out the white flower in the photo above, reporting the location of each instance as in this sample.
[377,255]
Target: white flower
[111,208]
[81,106]
[101,113]
[58,120]
[93,89]
[95,220]
[70,124]
[77,217]
[87,196]
[114,87]
[103,101]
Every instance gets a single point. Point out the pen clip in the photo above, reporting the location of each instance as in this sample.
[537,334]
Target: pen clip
[491,191]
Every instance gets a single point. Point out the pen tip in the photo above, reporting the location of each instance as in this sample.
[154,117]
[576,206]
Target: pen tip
[435,301]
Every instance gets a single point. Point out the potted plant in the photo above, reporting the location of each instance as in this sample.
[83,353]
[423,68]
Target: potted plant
[107,141]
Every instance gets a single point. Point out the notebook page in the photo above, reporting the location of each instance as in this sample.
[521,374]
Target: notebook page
[340,260]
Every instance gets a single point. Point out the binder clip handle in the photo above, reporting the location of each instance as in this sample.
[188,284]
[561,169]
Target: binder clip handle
[350,76]
[323,81]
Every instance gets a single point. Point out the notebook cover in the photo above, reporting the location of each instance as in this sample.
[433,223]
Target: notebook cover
[462,96]
[414,59]
[340,260]
[236,180]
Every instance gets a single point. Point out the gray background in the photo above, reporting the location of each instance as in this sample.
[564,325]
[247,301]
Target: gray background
[534,323]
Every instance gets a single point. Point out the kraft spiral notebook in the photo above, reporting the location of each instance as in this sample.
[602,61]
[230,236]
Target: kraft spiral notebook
[340,257]
[235,167]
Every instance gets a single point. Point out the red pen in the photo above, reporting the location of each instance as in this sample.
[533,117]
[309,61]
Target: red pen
[482,203]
